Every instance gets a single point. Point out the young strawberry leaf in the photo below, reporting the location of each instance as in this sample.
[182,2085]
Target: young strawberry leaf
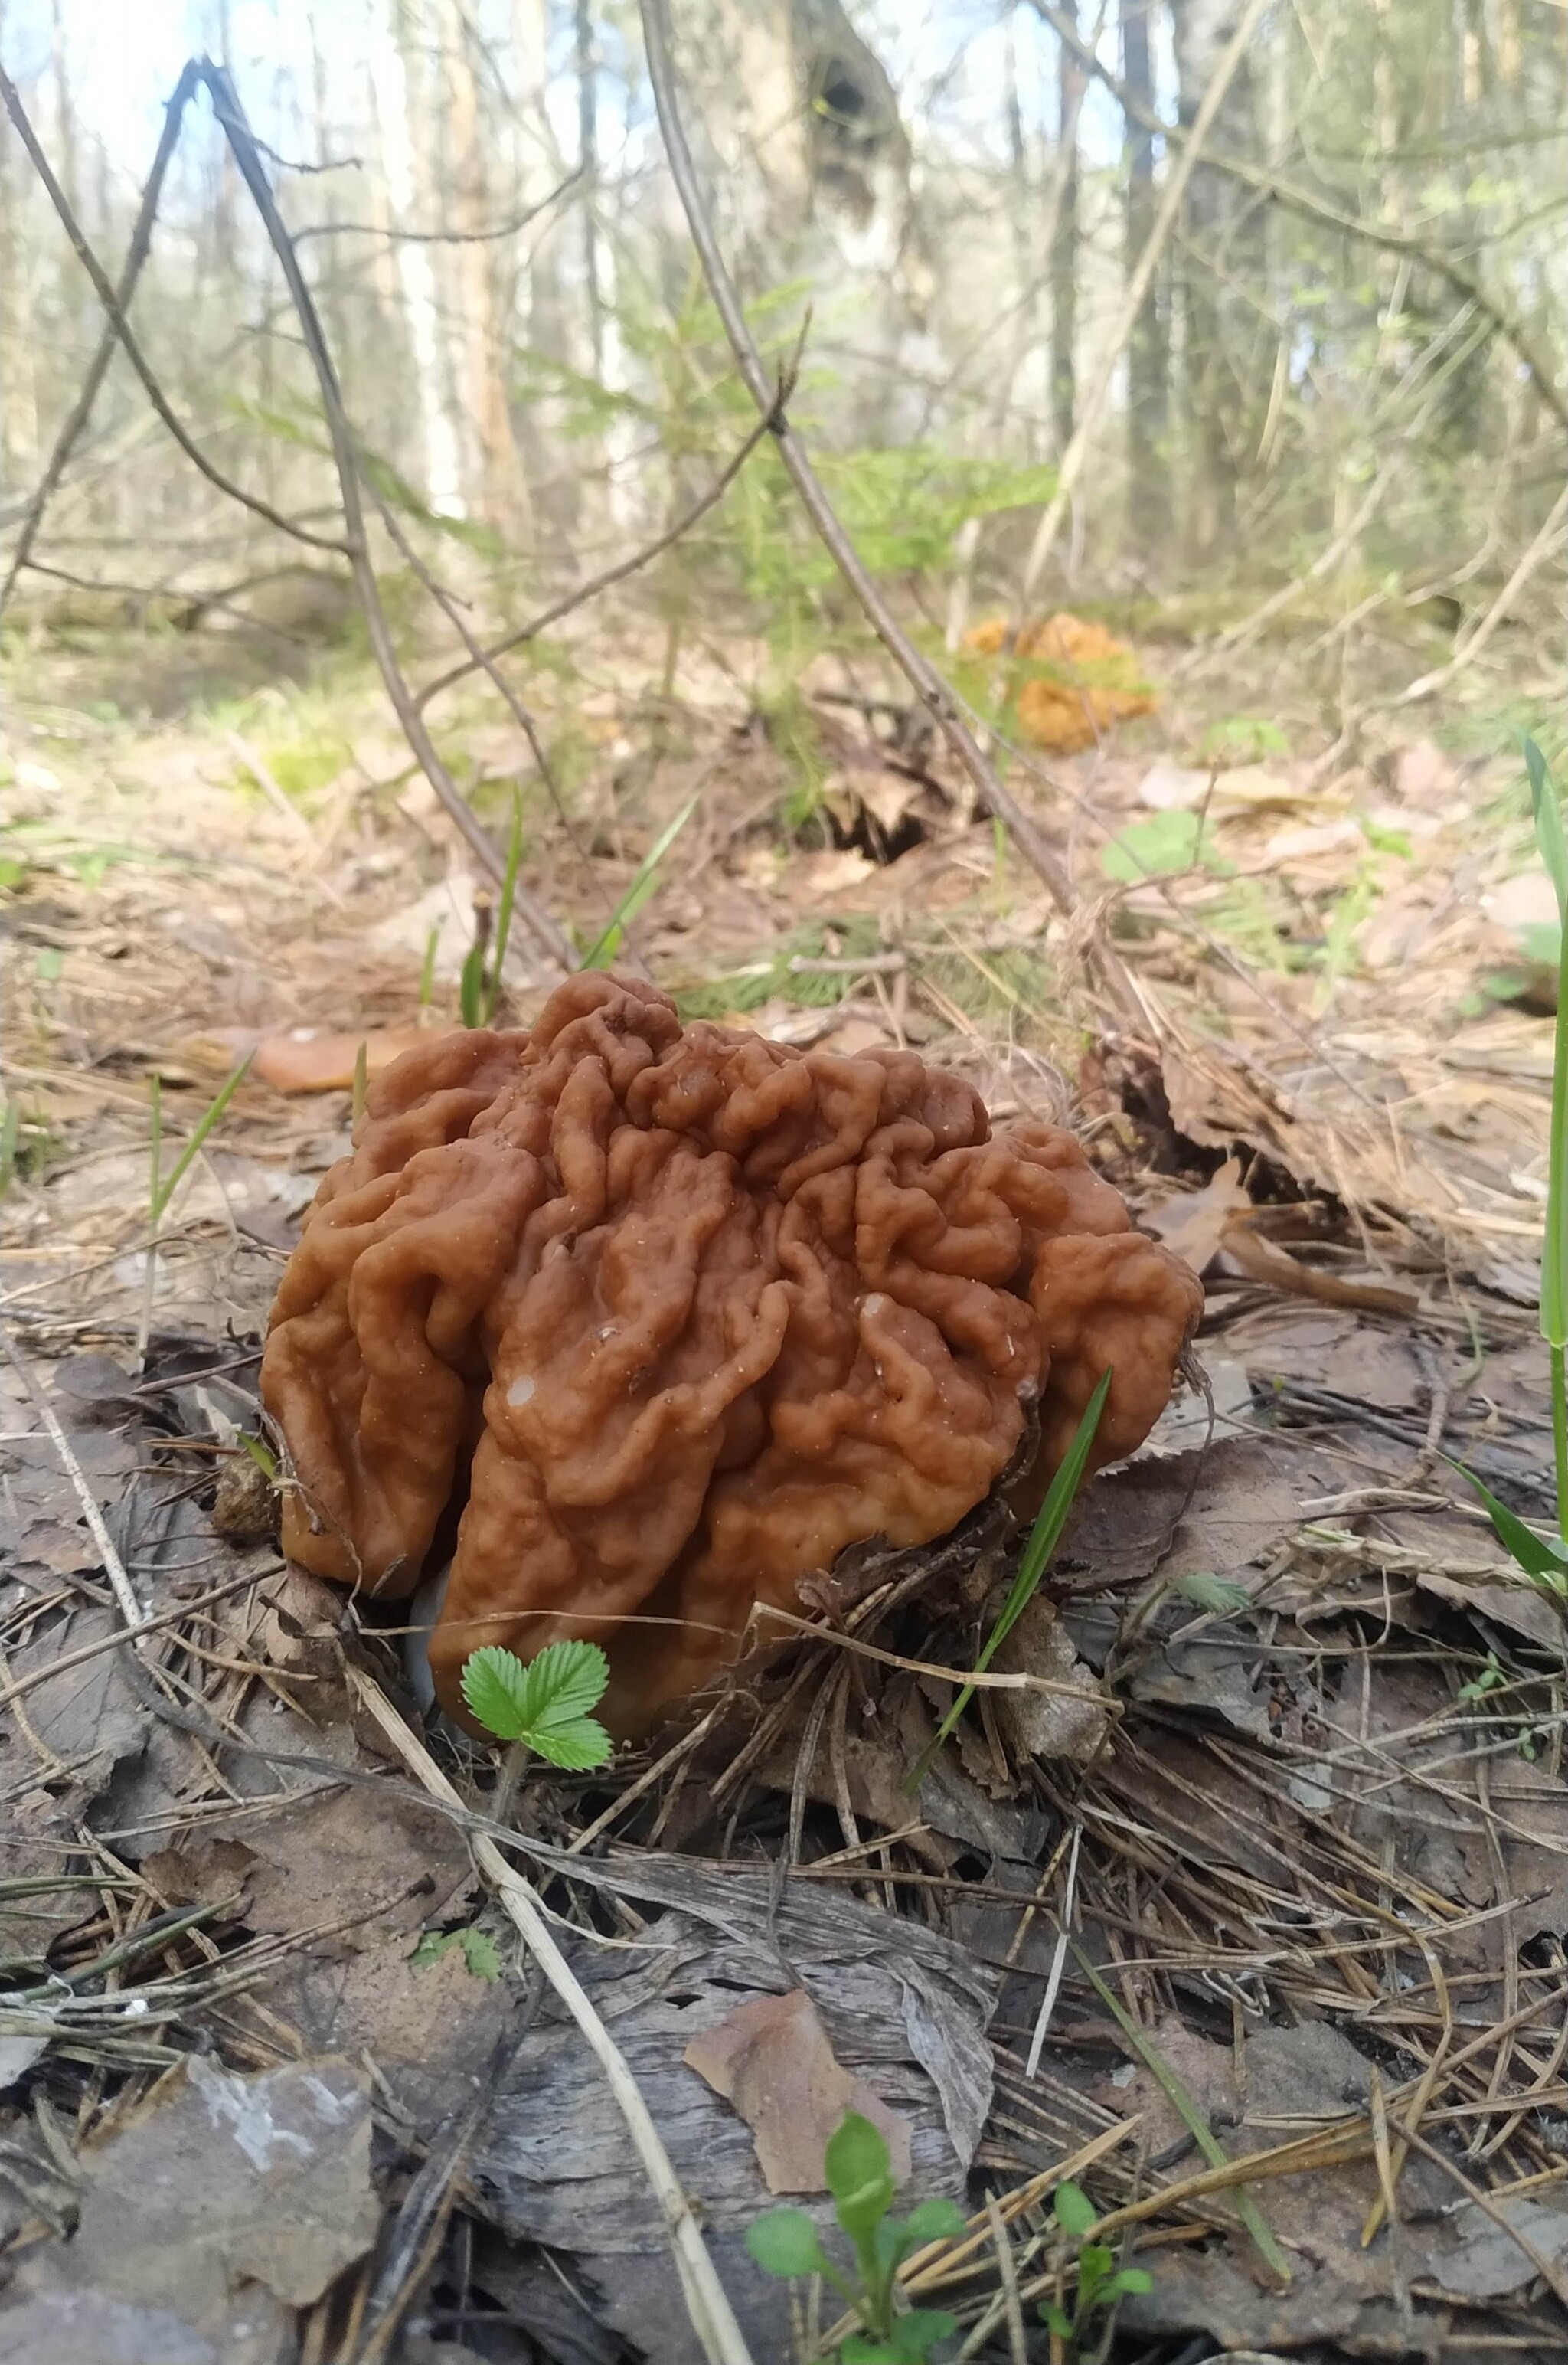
[543,1705]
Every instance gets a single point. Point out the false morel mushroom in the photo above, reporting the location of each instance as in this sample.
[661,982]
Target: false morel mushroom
[643,1323]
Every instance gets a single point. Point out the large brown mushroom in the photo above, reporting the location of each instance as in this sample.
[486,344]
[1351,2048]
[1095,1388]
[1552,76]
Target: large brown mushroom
[672,1315]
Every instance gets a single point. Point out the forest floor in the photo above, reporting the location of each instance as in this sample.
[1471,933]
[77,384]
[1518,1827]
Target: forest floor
[1286,1886]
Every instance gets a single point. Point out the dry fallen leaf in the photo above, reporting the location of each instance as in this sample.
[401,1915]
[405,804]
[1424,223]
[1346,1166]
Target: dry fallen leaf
[771,2060]
[1193,1225]
[1047,1725]
[307,1059]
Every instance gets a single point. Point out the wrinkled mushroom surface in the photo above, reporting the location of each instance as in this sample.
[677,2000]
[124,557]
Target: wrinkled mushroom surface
[671,1314]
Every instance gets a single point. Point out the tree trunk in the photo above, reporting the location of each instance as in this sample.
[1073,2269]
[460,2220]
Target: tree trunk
[588,165]
[497,472]
[1147,355]
[1064,245]
[1227,360]
[401,123]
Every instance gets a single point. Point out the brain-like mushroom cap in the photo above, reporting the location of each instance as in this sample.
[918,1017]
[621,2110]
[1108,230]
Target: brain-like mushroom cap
[673,1315]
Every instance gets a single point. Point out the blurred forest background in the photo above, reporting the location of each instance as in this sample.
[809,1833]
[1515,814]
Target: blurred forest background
[1347,364]
[1227,333]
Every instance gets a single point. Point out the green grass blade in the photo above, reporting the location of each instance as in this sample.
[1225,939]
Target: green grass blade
[1193,2118]
[162,1192]
[1043,1537]
[1554,1246]
[427,967]
[503,915]
[1548,831]
[361,1082]
[1541,1560]
[10,1136]
[156,1150]
[471,987]
[638,892]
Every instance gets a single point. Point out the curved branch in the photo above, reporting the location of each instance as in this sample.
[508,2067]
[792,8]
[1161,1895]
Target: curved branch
[927,684]
[232,115]
[1318,209]
[95,270]
[625,566]
[136,255]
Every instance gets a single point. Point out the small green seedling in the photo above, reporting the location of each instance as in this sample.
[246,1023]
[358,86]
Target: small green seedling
[1492,1676]
[161,1189]
[545,1705]
[10,1136]
[642,885]
[1544,1559]
[859,2177]
[1098,2281]
[478,1949]
[1220,1597]
[261,1454]
[1043,1537]
[427,967]
[479,986]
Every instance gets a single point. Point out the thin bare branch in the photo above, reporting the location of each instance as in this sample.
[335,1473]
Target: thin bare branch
[625,566]
[95,270]
[1318,209]
[927,684]
[136,255]
[507,228]
[1082,440]
[232,115]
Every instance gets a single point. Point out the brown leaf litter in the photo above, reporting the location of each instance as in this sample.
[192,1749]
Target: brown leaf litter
[1285,1762]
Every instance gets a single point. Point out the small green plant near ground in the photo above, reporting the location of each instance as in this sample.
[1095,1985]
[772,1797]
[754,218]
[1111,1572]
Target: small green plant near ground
[1244,739]
[160,1188]
[1081,2322]
[427,967]
[478,1949]
[10,1135]
[1156,848]
[643,881]
[1043,1537]
[1492,1676]
[859,2177]
[545,1705]
[261,1454]
[479,989]
[1544,1559]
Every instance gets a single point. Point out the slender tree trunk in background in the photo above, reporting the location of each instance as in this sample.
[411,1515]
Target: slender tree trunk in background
[541,326]
[19,448]
[67,162]
[588,165]
[497,472]
[225,196]
[329,261]
[1228,358]
[398,122]
[1064,246]
[1148,354]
